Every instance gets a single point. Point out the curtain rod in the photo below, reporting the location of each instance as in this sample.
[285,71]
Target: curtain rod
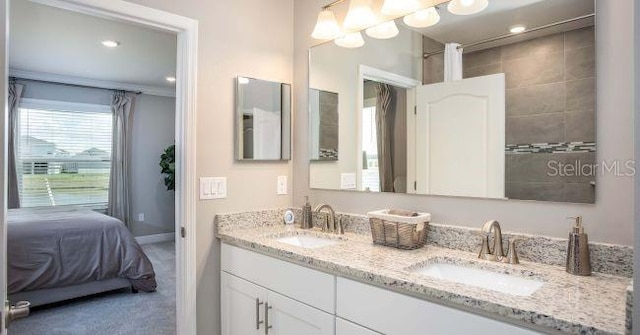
[73,85]
[497,38]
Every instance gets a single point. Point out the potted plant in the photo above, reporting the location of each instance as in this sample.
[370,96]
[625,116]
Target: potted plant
[168,165]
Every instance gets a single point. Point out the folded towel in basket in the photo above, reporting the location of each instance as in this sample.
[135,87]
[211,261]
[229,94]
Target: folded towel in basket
[402,212]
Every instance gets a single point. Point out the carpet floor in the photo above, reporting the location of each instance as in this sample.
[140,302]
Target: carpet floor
[118,312]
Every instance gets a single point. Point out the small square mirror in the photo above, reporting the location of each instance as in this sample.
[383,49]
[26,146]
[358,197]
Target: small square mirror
[263,120]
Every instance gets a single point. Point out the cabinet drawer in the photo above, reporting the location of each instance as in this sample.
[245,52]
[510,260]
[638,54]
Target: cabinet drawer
[397,314]
[309,286]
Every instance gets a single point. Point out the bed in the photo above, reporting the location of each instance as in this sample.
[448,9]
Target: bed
[56,254]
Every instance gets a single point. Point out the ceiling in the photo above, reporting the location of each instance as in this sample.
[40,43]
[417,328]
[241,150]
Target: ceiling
[53,41]
[500,15]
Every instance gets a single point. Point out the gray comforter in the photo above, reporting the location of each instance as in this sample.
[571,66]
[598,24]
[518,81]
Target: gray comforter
[58,247]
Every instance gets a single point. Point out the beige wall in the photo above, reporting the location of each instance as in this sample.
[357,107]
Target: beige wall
[239,37]
[609,220]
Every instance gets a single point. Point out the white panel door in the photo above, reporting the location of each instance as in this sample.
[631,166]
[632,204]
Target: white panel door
[344,327]
[243,305]
[289,317]
[460,137]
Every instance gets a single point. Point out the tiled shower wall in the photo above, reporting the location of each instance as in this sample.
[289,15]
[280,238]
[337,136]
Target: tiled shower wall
[550,98]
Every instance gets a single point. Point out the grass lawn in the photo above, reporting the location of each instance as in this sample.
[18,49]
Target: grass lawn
[66,188]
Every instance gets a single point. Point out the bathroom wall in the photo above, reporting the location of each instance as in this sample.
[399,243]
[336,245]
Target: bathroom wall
[550,101]
[610,219]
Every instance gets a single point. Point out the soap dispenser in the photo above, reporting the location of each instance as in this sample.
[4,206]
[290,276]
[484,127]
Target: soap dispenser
[578,260]
[307,215]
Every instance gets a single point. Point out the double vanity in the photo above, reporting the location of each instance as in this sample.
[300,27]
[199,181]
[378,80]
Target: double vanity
[280,279]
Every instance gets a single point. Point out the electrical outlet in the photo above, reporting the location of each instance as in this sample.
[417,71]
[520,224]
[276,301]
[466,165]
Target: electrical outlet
[282,185]
[140,217]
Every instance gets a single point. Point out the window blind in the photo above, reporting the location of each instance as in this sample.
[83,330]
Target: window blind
[63,153]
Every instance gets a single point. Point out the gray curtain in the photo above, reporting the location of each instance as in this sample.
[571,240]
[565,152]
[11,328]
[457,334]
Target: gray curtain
[385,116]
[122,109]
[15,92]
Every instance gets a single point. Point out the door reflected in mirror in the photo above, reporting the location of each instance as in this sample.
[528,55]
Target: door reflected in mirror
[521,107]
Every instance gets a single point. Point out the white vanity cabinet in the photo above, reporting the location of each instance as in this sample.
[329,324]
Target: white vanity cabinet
[397,314]
[259,291]
[263,295]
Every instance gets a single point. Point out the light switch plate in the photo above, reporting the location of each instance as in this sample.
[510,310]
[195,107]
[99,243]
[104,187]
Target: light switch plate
[282,185]
[213,188]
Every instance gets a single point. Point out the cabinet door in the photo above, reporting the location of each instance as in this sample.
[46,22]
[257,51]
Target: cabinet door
[289,317]
[242,305]
[344,327]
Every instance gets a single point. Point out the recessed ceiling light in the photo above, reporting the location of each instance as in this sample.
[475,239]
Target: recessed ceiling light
[110,43]
[171,79]
[517,29]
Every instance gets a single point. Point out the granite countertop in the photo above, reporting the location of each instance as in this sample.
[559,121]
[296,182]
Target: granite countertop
[565,303]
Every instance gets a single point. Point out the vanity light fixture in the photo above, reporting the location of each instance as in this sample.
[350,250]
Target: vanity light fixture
[423,18]
[352,40]
[327,27]
[399,7]
[467,7]
[110,43]
[170,79]
[518,29]
[360,16]
[383,30]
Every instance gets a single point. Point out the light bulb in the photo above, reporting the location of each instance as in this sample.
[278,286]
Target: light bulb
[327,27]
[399,7]
[467,7]
[383,30]
[359,16]
[517,29]
[353,40]
[422,18]
[110,43]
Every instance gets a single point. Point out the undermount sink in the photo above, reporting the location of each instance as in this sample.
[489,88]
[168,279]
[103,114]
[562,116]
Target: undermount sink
[307,241]
[472,276]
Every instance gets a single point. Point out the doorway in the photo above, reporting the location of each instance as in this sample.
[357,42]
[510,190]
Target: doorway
[185,81]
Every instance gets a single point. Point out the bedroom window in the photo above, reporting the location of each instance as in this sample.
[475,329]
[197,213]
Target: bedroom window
[63,153]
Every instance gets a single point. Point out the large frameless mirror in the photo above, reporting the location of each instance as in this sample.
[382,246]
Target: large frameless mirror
[518,122]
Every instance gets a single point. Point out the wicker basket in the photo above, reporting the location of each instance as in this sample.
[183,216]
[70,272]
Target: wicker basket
[402,232]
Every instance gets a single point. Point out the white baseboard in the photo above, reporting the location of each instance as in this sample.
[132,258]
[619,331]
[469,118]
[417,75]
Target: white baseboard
[155,238]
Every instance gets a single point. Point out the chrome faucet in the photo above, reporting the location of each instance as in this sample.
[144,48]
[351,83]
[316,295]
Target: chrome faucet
[497,253]
[330,224]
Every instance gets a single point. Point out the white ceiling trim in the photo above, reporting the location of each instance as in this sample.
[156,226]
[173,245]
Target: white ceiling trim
[111,85]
